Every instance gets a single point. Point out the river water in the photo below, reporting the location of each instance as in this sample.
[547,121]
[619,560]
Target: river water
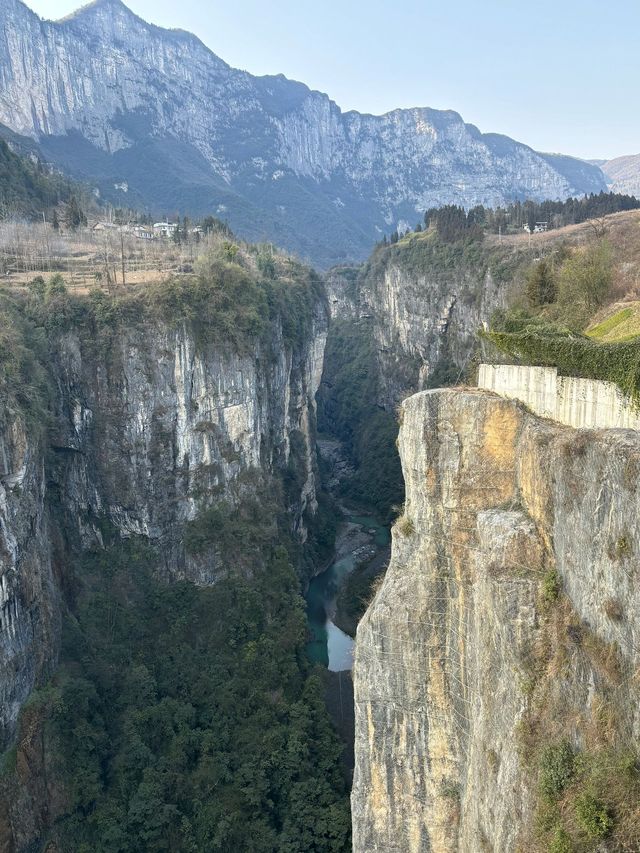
[329,645]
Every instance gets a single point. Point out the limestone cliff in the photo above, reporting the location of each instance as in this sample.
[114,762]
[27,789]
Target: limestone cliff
[424,302]
[148,429]
[29,595]
[166,423]
[496,668]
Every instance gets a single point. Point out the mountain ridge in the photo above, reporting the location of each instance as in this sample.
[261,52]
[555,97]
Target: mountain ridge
[623,173]
[160,112]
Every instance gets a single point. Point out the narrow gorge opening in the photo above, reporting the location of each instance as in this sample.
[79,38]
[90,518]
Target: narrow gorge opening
[360,473]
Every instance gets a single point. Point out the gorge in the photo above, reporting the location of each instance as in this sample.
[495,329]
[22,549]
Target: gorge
[157,439]
[163,509]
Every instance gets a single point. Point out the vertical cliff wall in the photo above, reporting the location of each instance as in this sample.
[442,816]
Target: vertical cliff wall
[151,425]
[166,424]
[495,674]
[29,596]
[424,301]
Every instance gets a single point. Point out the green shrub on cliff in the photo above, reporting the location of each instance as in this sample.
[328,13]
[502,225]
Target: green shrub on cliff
[23,356]
[593,817]
[557,767]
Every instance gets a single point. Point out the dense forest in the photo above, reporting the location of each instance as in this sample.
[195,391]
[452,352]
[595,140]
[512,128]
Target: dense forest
[188,719]
[452,222]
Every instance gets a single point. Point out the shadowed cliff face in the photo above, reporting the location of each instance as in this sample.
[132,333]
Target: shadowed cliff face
[424,302]
[507,623]
[29,596]
[145,439]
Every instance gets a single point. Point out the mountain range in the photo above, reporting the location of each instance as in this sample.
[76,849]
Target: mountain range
[154,119]
[623,174]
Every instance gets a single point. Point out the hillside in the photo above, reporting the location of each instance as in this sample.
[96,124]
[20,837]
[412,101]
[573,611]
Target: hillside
[163,116]
[623,174]
[27,186]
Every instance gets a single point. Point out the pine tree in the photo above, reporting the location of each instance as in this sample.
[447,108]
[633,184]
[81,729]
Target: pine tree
[74,216]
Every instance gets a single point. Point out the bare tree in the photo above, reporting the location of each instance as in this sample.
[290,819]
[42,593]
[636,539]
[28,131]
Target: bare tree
[599,226]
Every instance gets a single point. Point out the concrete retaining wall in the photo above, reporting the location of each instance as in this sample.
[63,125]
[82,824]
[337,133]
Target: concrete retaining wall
[580,403]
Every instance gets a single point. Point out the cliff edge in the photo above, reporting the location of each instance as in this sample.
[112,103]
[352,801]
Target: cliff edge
[496,679]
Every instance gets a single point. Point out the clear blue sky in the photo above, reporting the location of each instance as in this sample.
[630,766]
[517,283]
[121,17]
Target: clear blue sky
[560,75]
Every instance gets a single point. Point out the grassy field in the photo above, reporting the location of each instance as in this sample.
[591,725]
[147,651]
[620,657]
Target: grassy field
[618,322]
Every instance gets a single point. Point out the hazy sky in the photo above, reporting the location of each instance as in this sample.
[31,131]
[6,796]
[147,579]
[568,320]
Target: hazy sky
[560,75]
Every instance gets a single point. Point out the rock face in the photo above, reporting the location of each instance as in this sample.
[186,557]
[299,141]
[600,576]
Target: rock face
[144,440]
[424,313]
[103,91]
[168,421]
[29,598]
[425,321]
[462,652]
[623,174]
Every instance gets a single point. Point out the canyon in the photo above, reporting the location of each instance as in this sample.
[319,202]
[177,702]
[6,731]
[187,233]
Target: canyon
[499,646]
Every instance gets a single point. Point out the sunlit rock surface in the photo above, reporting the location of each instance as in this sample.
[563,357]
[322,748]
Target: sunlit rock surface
[496,499]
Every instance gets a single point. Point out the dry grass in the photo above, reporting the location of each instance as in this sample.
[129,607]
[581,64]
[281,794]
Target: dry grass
[613,609]
[601,793]
[86,258]
[375,588]
[605,657]
[404,526]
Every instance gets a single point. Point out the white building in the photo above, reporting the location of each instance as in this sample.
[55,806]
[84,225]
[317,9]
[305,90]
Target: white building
[164,229]
[143,233]
[538,228]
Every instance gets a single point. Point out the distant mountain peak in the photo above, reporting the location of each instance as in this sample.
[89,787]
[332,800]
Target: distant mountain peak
[623,174]
[159,111]
[107,11]
[99,6]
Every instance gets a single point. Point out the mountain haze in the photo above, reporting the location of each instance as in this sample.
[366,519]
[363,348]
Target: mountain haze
[623,174]
[121,102]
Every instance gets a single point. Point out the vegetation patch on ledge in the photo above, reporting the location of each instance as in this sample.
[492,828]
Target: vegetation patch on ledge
[426,252]
[584,772]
